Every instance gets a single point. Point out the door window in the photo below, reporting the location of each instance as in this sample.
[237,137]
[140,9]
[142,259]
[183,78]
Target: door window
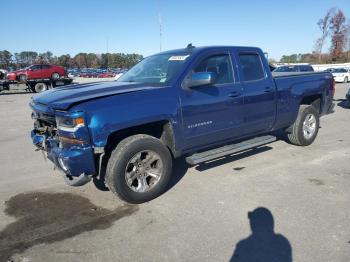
[220,65]
[35,67]
[251,67]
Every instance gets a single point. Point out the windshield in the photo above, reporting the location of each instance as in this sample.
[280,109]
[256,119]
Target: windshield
[156,69]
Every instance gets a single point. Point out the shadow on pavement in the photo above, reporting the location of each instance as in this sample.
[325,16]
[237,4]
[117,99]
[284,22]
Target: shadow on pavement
[230,158]
[180,169]
[343,103]
[263,244]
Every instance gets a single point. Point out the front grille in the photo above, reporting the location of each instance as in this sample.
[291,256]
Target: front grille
[49,119]
[44,119]
[44,123]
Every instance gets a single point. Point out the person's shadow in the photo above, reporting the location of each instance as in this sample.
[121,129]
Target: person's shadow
[263,244]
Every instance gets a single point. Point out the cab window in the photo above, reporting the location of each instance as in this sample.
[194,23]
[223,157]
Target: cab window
[251,67]
[220,65]
[35,67]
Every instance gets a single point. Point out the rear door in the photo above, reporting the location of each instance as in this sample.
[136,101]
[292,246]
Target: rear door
[259,93]
[46,71]
[212,113]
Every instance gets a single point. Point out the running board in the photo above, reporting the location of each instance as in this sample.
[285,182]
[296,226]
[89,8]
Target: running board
[229,149]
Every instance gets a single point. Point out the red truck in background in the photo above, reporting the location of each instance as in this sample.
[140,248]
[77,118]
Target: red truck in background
[38,71]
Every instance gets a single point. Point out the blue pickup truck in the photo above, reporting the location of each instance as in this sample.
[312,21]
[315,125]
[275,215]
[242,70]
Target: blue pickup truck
[199,102]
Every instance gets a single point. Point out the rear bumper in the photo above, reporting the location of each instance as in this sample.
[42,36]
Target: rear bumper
[74,161]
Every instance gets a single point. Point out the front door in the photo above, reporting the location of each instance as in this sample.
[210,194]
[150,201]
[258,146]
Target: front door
[35,72]
[212,113]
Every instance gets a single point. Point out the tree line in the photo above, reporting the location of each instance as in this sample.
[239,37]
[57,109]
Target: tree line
[334,31]
[81,60]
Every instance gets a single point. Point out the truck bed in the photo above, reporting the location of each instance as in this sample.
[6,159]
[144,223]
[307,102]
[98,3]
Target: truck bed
[289,74]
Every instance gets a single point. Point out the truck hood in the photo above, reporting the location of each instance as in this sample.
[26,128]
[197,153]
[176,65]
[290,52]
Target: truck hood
[62,98]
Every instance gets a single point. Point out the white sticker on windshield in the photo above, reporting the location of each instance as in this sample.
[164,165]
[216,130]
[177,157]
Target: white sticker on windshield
[178,57]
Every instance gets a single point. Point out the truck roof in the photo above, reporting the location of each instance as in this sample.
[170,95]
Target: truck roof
[193,49]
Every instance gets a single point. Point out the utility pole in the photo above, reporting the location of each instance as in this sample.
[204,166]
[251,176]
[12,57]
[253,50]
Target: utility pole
[348,48]
[160,31]
[107,50]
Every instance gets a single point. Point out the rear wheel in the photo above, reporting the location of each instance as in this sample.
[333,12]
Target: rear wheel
[305,127]
[40,87]
[139,169]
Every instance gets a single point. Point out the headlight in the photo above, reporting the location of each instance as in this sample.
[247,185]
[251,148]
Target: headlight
[69,124]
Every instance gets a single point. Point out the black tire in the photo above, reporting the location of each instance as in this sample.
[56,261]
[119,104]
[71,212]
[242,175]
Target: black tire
[126,150]
[55,76]
[22,78]
[346,79]
[297,136]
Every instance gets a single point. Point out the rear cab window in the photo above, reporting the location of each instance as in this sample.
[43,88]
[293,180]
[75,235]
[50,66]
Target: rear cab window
[252,68]
[306,68]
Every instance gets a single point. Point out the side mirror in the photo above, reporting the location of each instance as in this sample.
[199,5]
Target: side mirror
[200,79]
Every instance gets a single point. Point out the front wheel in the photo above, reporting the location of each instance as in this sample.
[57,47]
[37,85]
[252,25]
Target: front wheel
[55,76]
[139,169]
[22,78]
[305,127]
[346,79]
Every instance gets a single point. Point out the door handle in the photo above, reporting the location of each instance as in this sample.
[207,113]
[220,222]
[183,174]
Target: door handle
[268,90]
[234,94]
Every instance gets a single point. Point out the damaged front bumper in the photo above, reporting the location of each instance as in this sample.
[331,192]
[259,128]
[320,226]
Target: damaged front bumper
[76,162]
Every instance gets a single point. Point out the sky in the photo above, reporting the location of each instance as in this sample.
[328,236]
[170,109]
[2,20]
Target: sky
[73,26]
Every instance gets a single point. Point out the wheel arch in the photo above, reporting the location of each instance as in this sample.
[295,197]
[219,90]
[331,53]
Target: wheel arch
[162,129]
[314,100]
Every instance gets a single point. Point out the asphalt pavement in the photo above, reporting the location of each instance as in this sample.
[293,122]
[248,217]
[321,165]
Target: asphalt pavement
[276,201]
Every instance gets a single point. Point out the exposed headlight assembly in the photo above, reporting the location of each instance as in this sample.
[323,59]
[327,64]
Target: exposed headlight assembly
[69,124]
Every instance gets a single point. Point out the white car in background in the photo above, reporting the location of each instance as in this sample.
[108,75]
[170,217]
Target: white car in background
[341,75]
